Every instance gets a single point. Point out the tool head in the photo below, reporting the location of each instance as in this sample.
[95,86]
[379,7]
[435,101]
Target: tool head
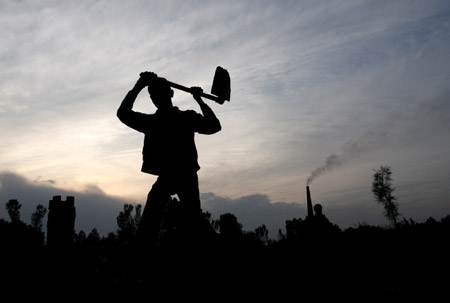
[221,86]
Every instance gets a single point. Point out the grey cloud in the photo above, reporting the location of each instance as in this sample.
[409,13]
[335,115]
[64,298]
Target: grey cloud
[253,211]
[94,208]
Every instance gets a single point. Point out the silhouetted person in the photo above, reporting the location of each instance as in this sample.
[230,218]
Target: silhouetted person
[321,225]
[319,218]
[169,150]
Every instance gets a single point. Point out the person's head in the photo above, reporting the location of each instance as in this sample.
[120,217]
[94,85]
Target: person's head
[318,209]
[161,93]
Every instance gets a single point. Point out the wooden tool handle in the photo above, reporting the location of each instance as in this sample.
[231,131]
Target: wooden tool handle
[188,90]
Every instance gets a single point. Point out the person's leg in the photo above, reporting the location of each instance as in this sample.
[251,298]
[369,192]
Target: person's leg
[195,229]
[148,230]
[189,194]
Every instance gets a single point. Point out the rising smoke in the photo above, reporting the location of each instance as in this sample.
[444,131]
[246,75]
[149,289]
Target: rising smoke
[363,144]
[330,163]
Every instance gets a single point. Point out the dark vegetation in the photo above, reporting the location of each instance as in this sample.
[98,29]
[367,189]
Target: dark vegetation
[312,258]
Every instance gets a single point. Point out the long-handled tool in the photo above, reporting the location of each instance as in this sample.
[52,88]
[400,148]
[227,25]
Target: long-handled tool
[220,90]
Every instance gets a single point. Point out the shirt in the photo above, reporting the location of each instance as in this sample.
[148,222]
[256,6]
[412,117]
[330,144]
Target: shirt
[169,141]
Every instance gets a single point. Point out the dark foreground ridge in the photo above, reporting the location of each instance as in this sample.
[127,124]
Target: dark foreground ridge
[367,262]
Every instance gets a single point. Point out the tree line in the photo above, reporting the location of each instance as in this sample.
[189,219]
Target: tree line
[227,226]
[372,259]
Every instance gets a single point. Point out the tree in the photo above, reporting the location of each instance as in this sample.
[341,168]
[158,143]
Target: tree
[137,214]
[128,223]
[80,238]
[262,234]
[295,229]
[229,226]
[382,190]
[37,216]
[93,239]
[214,223]
[13,207]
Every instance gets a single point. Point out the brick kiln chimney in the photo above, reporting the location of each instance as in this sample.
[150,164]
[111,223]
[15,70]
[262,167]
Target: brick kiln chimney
[309,204]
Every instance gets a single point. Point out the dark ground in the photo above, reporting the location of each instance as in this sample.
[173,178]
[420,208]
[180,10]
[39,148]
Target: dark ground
[364,263]
[333,271]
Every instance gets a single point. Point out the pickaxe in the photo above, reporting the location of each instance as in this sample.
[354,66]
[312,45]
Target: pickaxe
[220,90]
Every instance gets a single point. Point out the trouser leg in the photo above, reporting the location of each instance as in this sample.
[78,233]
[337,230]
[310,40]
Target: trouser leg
[189,194]
[148,231]
[193,228]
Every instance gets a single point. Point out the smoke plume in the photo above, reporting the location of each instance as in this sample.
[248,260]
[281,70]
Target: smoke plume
[330,163]
[363,144]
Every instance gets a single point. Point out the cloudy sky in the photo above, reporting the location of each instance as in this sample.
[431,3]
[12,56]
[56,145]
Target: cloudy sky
[362,83]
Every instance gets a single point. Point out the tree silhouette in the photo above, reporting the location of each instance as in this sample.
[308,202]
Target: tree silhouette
[137,214]
[262,234]
[230,229]
[127,222]
[37,216]
[208,218]
[80,238]
[93,238]
[13,207]
[295,229]
[382,189]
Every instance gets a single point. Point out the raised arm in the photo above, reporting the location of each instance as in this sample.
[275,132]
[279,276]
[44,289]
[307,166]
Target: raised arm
[125,111]
[208,124]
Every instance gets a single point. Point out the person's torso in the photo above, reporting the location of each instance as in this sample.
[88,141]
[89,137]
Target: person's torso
[169,143]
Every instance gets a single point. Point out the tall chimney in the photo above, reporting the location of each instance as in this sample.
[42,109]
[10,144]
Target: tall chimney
[309,204]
